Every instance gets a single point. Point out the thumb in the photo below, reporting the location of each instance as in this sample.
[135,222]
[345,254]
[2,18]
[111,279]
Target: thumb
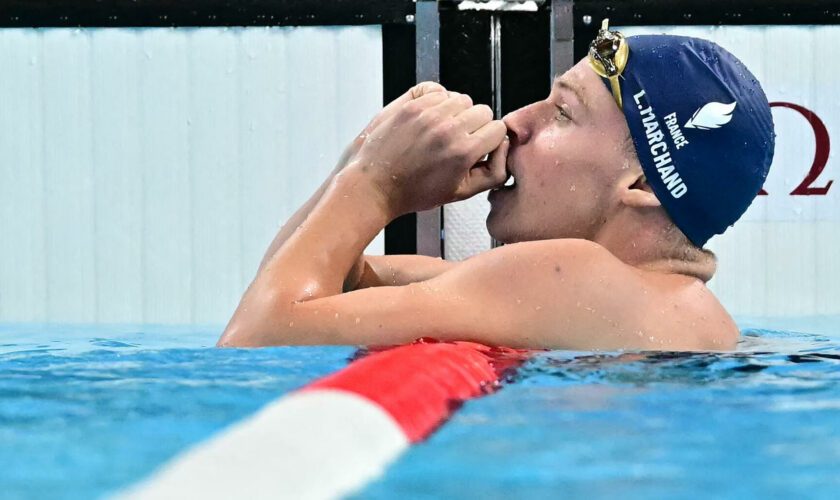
[424,88]
[414,92]
[488,174]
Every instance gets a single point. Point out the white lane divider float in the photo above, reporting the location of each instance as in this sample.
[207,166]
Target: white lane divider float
[337,434]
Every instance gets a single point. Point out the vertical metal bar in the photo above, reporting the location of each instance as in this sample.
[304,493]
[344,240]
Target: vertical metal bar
[496,62]
[496,80]
[427,20]
[562,37]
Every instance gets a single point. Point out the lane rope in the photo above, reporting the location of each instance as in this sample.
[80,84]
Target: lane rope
[335,435]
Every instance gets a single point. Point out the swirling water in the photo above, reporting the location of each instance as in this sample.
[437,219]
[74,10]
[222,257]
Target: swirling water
[85,411]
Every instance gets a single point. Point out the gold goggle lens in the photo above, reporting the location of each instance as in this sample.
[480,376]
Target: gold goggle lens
[608,55]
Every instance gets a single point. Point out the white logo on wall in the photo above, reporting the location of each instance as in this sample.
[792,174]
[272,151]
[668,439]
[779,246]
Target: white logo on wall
[712,115]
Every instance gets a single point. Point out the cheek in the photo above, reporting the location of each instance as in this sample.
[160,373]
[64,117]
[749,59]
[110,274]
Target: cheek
[569,167]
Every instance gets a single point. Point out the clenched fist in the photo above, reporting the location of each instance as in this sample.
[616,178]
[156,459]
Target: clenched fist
[423,149]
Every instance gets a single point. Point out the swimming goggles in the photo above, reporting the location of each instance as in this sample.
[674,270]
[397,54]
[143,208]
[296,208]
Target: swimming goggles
[608,55]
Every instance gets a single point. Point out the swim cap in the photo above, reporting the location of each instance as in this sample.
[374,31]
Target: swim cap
[702,128]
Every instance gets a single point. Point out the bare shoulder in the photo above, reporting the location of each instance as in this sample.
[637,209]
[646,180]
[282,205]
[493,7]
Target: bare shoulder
[567,257]
[576,294]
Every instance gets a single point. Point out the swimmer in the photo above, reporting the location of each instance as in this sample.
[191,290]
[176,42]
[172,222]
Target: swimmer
[640,153]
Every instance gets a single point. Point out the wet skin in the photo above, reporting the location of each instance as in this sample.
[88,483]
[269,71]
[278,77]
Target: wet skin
[589,262]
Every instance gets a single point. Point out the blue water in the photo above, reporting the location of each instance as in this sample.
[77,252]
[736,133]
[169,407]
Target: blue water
[85,411]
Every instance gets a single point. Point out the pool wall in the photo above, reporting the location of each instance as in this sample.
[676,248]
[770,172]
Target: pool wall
[145,170]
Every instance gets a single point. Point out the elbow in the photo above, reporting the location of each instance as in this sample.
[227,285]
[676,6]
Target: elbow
[262,316]
[234,336]
[258,327]
[246,328]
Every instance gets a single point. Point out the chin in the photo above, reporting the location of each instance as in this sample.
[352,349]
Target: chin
[501,232]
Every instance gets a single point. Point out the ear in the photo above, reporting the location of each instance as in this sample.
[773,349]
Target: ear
[638,193]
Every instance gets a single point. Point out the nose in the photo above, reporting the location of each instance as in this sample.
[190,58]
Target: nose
[519,125]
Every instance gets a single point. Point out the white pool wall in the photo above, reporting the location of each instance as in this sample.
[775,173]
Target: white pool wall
[143,172]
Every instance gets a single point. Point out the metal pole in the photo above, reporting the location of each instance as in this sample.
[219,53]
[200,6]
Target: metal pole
[496,66]
[562,37]
[427,22]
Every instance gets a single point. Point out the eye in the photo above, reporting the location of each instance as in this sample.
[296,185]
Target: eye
[562,113]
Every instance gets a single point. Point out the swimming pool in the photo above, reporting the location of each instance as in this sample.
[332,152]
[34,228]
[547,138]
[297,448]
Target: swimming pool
[86,411]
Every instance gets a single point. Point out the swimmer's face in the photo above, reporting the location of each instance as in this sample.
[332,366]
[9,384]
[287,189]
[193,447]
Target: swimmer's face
[566,155]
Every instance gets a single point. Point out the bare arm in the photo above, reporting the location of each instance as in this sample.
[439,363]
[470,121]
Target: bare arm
[423,155]
[302,213]
[360,269]
[394,270]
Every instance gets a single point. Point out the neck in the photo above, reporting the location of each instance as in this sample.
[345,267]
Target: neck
[647,239]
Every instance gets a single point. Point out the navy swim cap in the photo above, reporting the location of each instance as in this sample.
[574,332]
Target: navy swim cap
[702,128]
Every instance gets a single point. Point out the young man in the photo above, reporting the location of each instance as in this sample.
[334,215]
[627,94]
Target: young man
[639,155]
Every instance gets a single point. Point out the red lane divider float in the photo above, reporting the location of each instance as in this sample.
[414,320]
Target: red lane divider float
[337,433]
[421,384]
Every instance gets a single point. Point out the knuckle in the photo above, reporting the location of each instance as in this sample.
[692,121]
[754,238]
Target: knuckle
[485,111]
[429,119]
[424,88]
[439,136]
[500,129]
[412,108]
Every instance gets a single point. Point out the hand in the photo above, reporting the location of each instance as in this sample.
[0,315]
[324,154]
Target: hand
[418,90]
[424,153]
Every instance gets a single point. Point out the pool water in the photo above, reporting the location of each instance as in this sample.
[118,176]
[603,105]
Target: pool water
[85,411]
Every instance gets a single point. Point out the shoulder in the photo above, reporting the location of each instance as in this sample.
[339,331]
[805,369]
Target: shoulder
[584,297]
[567,256]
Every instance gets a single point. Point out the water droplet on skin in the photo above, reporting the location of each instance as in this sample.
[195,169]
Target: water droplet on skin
[652,338]
[291,324]
[358,320]
[572,187]
[336,315]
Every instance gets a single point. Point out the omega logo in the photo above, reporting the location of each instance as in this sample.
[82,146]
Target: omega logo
[821,153]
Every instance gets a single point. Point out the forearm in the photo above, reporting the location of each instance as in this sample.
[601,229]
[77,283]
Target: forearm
[395,270]
[312,263]
[303,212]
